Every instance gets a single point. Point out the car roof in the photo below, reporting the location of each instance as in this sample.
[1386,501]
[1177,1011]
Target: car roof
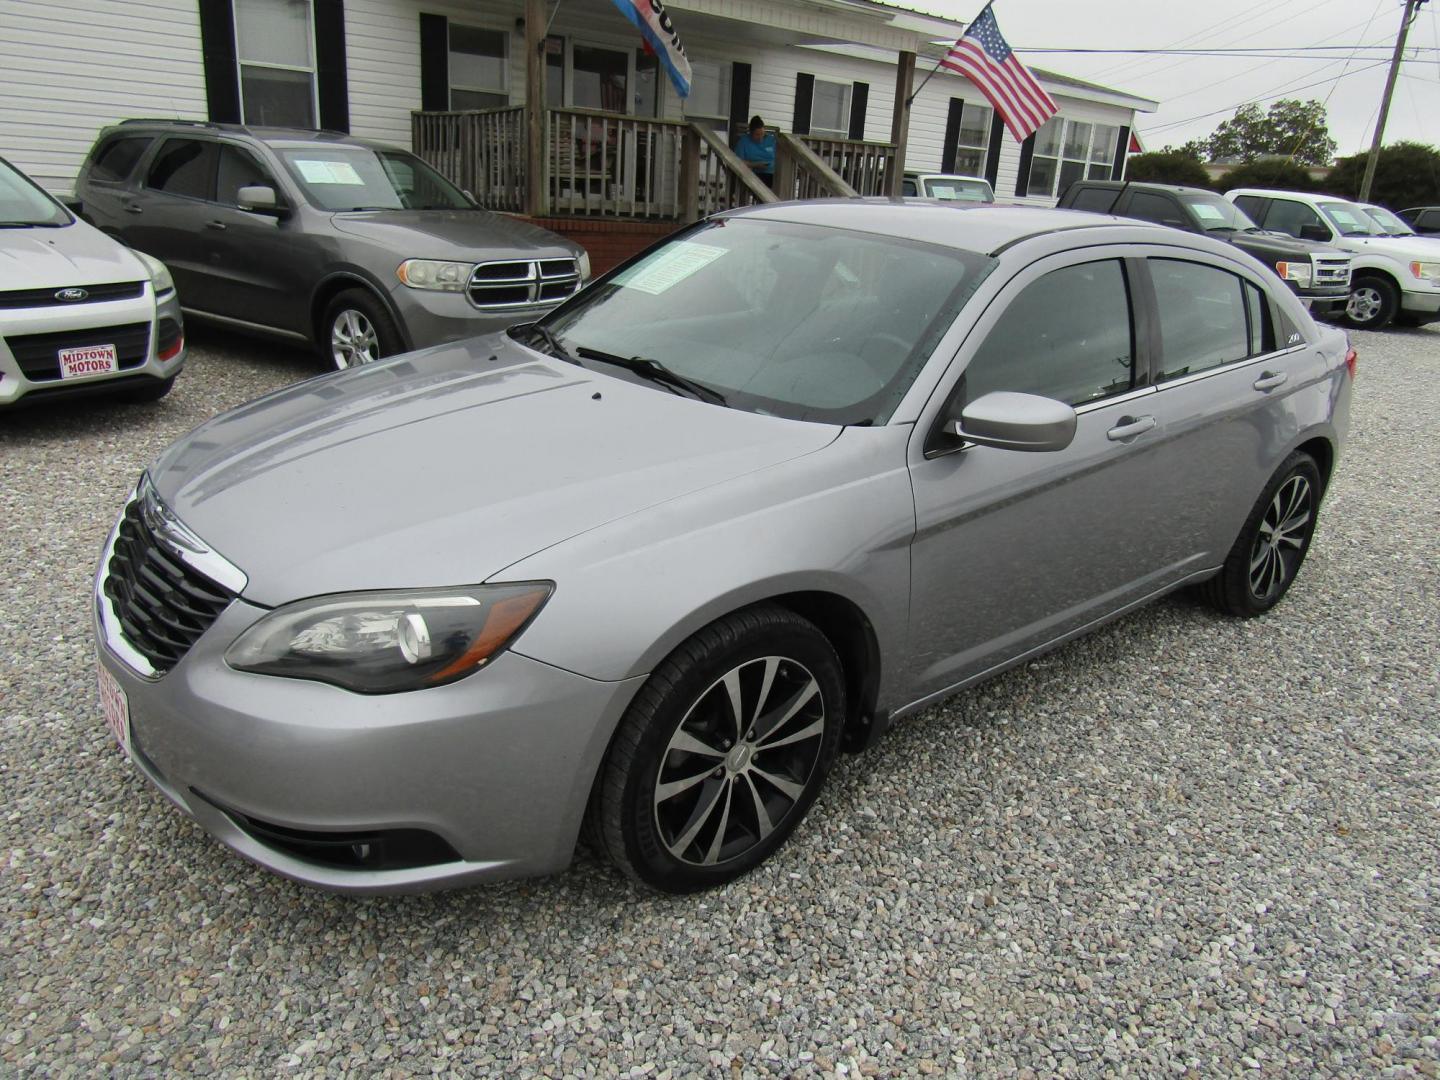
[1272,193]
[921,175]
[271,136]
[979,227]
[1142,185]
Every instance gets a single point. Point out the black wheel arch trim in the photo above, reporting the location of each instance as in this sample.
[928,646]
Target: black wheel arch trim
[337,281]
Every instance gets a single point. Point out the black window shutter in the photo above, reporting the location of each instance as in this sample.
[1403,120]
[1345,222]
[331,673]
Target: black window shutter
[1027,154]
[859,98]
[992,157]
[804,98]
[952,135]
[1122,151]
[222,73]
[739,98]
[434,63]
[332,80]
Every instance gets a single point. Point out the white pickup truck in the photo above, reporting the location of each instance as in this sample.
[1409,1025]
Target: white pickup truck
[1392,278]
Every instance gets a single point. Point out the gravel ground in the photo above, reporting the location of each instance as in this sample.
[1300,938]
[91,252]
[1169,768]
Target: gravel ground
[1183,846]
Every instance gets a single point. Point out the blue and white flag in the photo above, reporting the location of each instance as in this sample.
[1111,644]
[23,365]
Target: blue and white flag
[659,33]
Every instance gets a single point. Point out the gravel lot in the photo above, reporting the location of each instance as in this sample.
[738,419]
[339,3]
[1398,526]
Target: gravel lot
[1183,846]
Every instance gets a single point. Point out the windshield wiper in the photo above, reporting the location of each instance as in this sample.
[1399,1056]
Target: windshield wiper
[656,372]
[545,334]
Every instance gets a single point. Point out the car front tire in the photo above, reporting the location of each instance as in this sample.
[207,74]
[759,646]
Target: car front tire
[1374,302]
[357,329]
[721,753]
[1271,547]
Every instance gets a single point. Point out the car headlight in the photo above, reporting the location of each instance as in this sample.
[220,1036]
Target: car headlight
[160,278]
[1426,271]
[386,642]
[435,275]
[584,263]
[1298,272]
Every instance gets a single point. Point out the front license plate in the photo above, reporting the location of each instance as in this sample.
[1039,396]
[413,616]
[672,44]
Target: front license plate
[88,360]
[115,707]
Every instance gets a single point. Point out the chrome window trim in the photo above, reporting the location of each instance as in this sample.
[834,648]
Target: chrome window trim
[1233,365]
[1114,399]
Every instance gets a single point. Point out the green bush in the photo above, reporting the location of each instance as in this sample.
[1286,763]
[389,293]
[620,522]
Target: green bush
[1408,174]
[1160,167]
[1275,173]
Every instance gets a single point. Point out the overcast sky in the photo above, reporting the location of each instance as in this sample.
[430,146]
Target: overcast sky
[1188,87]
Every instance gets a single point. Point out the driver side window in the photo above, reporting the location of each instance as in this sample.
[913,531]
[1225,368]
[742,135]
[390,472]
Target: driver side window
[1067,336]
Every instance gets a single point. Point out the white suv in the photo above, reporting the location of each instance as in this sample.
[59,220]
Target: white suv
[79,312]
[1393,278]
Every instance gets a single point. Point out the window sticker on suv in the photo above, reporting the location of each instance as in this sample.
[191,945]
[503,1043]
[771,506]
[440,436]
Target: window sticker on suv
[328,172]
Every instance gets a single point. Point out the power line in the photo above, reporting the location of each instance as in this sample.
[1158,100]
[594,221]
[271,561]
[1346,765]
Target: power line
[1283,50]
[1265,96]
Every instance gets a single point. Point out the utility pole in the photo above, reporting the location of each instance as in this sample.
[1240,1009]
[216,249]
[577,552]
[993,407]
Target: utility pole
[1412,9]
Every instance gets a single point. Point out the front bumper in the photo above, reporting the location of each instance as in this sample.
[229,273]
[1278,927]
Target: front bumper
[497,767]
[16,387]
[435,318]
[1423,306]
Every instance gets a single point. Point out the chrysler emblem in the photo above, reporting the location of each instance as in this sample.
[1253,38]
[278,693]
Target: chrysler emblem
[71,296]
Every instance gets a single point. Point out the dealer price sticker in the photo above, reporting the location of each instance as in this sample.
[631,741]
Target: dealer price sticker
[88,360]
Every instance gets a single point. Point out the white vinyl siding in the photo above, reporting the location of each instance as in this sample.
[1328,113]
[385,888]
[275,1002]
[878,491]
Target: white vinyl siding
[71,67]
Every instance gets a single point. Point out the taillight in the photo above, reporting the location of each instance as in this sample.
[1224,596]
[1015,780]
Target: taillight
[1351,359]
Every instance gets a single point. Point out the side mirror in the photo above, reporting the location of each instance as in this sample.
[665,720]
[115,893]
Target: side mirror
[1010,421]
[1315,232]
[259,199]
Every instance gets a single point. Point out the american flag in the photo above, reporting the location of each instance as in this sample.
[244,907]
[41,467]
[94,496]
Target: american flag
[984,57]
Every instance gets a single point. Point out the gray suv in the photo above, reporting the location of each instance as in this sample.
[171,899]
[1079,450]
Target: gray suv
[357,248]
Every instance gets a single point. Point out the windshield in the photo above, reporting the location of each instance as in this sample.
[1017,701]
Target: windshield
[1388,222]
[957,189]
[1216,214]
[358,178]
[799,321]
[1350,220]
[23,204]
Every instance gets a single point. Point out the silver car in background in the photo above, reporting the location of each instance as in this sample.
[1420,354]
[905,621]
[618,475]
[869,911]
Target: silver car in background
[648,565]
[79,313]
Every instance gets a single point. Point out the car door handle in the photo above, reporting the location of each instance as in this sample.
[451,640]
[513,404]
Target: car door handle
[1129,427]
[1268,380]
[218,226]
[131,208]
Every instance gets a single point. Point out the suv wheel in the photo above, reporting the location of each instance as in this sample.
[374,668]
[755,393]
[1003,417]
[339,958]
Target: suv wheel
[1373,303]
[358,330]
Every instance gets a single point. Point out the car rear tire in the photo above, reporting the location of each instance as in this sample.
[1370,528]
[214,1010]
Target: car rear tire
[357,329]
[153,390]
[696,791]
[1373,302]
[1271,547]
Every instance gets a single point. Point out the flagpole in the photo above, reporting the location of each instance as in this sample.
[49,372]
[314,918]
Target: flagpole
[911,99]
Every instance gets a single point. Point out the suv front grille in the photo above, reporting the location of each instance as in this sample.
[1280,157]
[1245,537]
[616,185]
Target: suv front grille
[163,605]
[39,354]
[93,294]
[1331,271]
[523,283]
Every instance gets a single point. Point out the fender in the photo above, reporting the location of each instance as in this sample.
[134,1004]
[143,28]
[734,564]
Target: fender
[349,276]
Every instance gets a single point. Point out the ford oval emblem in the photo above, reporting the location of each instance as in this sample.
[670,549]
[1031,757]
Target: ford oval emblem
[71,296]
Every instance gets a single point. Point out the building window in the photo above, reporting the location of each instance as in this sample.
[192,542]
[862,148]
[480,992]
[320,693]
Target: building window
[275,46]
[830,109]
[600,78]
[709,100]
[972,144]
[479,68]
[1070,150]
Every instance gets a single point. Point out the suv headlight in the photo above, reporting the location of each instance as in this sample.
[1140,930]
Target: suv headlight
[435,275]
[386,642]
[1298,272]
[583,262]
[1426,271]
[160,278]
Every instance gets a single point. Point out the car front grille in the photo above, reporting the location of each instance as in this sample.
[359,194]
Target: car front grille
[162,604]
[1332,271]
[523,283]
[80,294]
[39,354]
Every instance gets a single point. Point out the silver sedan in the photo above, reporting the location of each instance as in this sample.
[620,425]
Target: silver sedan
[646,567]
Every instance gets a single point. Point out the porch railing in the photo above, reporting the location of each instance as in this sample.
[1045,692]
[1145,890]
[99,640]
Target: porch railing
[599,164]
[482,152]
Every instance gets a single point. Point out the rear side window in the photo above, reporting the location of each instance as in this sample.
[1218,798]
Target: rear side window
[1067,336]
[907,187]
[116,159]
[1097,200]
[1155,208]
[184,167]
[1288,216]
[1208,318]
[238,168]
[1430,219]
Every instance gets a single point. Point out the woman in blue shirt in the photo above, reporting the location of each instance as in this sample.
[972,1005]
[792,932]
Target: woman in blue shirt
[757,149]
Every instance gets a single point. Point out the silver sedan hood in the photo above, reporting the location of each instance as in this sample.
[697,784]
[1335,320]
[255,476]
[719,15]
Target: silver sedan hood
[65,256]
[444,467]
